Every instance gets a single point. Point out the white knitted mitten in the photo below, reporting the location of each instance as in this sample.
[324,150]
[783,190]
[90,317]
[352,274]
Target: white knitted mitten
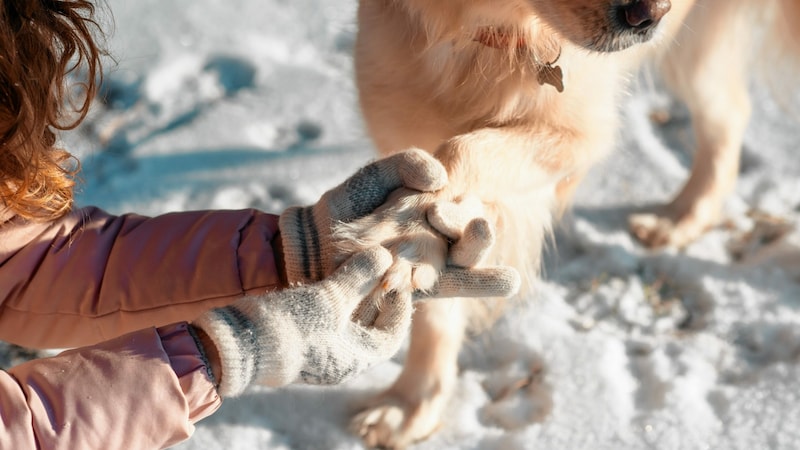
[308,333]
[437,245]
[309,253]
[471,237]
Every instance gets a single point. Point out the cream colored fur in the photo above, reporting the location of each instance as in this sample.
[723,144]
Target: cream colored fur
[425,81]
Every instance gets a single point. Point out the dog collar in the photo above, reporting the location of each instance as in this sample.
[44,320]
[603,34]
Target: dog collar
[498,38]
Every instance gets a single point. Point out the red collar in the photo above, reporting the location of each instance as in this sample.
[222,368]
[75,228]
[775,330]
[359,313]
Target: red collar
[498,38]
[548,72]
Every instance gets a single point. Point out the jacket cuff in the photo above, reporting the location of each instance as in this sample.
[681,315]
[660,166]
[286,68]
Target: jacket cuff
[301,246]
[191,367]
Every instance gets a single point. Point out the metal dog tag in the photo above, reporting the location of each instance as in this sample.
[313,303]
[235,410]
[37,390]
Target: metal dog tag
[551,75]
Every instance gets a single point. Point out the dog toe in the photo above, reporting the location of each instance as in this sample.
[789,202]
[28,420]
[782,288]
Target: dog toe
[394,423]
[657,231]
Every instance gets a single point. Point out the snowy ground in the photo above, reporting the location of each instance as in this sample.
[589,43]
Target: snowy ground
[251,103]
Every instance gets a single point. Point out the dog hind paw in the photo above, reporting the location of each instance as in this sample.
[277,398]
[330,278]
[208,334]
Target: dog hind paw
[656,231]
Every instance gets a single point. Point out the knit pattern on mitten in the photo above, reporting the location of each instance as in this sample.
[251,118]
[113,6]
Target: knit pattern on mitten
[309,253]
[308,333]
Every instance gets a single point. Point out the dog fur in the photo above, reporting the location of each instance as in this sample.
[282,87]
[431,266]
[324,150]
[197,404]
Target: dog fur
[475,82]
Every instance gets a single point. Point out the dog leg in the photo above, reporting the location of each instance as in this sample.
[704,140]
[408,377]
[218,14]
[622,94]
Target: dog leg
[706,68]
[412,407]
[515,171]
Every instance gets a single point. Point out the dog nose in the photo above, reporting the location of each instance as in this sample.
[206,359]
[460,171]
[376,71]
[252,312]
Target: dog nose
[644,14]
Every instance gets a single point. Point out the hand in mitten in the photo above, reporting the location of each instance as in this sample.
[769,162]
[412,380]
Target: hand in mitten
[308,250]
[472,237]
[436,243]
[308,333]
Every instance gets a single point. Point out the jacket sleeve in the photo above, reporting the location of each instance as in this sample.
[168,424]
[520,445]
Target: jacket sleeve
[143,390]
[92,276]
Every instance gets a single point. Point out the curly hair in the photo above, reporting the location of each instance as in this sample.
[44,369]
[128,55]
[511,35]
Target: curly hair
[43,44]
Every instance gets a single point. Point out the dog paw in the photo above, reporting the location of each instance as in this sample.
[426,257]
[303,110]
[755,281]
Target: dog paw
[394,423]
[401,226]
[655,230]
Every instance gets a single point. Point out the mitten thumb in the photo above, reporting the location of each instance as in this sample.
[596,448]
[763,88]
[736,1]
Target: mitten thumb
[464,224]
[355,279]
[500,281]
[383,338]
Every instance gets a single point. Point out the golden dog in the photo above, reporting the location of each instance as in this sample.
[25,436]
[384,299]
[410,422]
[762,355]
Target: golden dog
[518,98]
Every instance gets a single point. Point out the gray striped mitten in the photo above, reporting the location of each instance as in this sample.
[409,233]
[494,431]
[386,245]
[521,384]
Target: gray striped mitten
[309,253]
[308,333]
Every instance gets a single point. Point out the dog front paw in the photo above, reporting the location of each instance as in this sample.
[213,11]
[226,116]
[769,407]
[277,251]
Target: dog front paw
[401,226]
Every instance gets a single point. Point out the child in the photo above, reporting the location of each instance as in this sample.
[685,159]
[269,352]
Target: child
[269,298]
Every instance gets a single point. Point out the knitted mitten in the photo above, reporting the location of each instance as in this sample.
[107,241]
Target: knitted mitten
[471,236]
[309,253]
[308,333]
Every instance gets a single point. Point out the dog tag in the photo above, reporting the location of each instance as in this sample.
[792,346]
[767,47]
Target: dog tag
[551,75]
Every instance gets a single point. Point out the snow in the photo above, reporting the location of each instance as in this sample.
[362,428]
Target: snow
[251,103]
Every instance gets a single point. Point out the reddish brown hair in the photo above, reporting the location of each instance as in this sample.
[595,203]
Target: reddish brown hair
[42,44]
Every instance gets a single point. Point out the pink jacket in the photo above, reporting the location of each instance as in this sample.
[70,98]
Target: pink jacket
[120,289]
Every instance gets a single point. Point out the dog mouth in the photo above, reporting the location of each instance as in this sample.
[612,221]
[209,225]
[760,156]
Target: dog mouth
[629,23]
